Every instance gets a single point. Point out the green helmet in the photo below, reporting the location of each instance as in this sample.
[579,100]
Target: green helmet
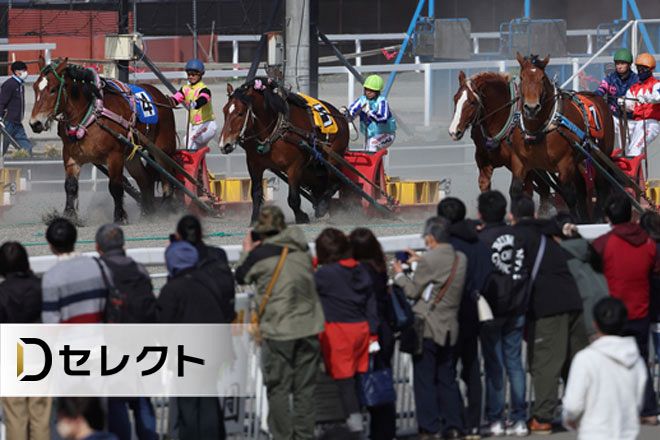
[374,82]
[624,55]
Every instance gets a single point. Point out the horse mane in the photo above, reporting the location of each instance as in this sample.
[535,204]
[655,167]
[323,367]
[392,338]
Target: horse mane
[270,90]
[481,79]
[84,81]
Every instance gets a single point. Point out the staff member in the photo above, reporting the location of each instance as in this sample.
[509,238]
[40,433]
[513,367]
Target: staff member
[12,107]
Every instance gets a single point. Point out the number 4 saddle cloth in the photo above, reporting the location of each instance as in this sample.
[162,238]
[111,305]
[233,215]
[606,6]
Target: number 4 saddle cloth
[321,115]
[139,99]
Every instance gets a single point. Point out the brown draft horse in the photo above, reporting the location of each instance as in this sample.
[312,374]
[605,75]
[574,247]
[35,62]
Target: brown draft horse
[544,143]
[485,103]
[65,93]
[269,127]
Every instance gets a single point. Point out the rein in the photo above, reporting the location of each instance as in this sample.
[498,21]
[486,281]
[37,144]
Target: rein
[510,122]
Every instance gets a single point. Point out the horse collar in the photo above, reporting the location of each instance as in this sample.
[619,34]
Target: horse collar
[550,123]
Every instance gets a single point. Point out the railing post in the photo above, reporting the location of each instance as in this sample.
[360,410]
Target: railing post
[634,38]
[475,45]
[351,87]
[234,54]
[502,66]
[358,50]
[428,92]
[576,78]
[47,56]
[94,178]
[590,44]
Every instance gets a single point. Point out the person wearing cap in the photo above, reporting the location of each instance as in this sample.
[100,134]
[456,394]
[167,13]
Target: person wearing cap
[376,120]
[196,97]
[12,107]
[191,297]
[291,321]
[616,84]
[643,99]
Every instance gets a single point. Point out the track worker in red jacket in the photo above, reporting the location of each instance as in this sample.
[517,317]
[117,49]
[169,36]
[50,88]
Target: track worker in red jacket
[351,316]
[643,99]
[628,255]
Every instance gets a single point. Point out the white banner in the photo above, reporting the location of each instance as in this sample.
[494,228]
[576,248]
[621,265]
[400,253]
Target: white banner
[125,360]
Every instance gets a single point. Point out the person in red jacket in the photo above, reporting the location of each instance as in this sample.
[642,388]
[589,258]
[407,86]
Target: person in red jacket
[628,255]
[643,99]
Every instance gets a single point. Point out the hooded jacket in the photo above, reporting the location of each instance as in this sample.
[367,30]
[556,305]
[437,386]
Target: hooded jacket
[293,310]
[605,389]
[346,293]
[628,261]
[20,299]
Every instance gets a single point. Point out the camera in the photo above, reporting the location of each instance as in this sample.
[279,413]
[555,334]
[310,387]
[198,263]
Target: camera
[255,236]
[402,256]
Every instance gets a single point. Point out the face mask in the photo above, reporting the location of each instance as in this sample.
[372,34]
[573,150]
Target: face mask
[644,75]
[23,75]
[65,429]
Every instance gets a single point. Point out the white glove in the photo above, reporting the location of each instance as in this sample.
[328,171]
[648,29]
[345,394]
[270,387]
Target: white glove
[193,105]
[374,347]
[621,101]
[642,99]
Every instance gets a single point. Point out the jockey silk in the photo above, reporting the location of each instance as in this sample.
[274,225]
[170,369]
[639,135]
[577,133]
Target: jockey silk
[612,87]
[650,89]
[202,114]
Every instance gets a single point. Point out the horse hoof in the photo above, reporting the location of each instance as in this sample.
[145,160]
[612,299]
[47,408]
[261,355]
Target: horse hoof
[302,218]
[121,219]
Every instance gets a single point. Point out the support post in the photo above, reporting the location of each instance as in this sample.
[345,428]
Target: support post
[576,78]
[122,28]
[313,48]
[528,9]
[234,54]
[358,51]
[296,37]
[428,95]
[351,87]
[194,27]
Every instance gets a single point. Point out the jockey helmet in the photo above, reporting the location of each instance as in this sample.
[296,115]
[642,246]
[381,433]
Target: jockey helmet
[195,65]
[624,55]
[374,82]
[645,59]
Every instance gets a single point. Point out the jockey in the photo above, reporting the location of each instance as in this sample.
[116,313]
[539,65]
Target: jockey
[616,84]
[376,120]
[196,97]
[643,99]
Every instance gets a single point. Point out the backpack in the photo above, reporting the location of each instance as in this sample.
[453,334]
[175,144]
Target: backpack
[130,294]
[509,284]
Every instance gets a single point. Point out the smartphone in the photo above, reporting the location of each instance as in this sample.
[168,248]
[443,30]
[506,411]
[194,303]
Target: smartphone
[255,236]
[402,256]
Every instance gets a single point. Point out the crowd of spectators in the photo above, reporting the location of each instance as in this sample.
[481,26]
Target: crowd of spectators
[478,292]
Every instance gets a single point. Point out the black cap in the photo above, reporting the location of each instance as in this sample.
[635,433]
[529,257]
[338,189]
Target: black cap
[18,65]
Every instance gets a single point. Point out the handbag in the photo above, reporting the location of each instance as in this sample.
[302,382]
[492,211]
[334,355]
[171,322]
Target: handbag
[255,318]
[401,313]
[412,339]
[376,387]
[483,309]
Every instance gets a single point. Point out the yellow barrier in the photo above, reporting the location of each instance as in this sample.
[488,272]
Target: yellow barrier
[414,192]
[11,175]
[233,189]
[653,191]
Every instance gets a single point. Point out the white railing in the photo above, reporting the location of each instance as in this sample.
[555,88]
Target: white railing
[21,47]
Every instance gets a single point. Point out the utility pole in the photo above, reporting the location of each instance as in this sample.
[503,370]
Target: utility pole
[122,25]
[313,48]
[296,38]
[194,19]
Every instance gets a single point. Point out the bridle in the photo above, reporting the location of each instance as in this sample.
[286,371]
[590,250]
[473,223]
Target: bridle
[61,90]
[250,115]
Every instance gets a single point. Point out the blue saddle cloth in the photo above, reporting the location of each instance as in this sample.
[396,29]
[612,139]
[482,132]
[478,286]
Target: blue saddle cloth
[146,110]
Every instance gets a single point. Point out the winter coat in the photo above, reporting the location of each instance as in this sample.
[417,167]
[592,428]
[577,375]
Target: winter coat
[20,299]
[592,284]
[434,269]
[629,257]
[213,261]
[654,299]
[346,293]
[554,291]
[464,238]
[293,310]
[605,389]
[613,86]
[12,100]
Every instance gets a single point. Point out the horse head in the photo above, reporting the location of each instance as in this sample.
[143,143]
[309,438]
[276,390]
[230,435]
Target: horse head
[49,91]
[533,82]
[467,103]
[250,113]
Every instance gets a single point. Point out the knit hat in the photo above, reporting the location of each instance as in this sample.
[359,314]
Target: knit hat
[179,256]
[270,220]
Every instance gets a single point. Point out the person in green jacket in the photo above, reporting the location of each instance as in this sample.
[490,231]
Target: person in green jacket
[291,319]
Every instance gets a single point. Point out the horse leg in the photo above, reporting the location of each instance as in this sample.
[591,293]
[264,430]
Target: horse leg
[257,190]
[116,186]
[569,189]
[485,170]
[72,171]
[145,182]
[294,173]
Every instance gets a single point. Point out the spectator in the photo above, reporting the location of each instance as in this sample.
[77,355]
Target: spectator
[650,222]
[349,306]
[73,289]
[189,297]
[291,321]
[20,303]
[437,286]
[585,265]
[556,329]
[463,237]
[212,260]
[132,280]
[629,259]
[606,384]
[501,338]
[81,418]
[367,250]
[12,107]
